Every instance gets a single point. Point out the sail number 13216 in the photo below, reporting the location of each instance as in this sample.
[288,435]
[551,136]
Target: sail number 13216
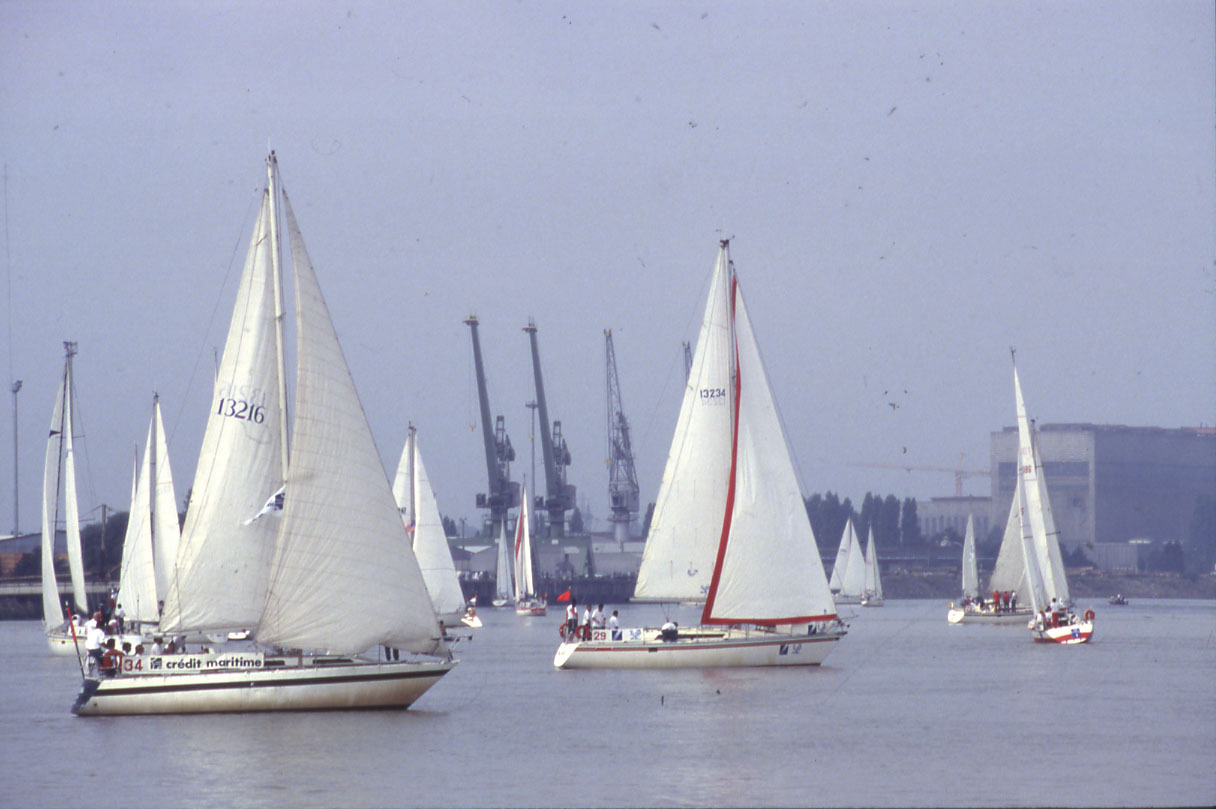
[241,409]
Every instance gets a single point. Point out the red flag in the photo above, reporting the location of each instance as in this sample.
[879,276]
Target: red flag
[564,596]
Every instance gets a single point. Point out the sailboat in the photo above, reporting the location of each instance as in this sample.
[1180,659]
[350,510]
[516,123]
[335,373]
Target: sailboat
[504,580]
[871,595]
[849,571]
[302,545]
[420,511]
[149,548]
[730,528]
[1054,620]
[1008,577]
[64,630]
[526,601]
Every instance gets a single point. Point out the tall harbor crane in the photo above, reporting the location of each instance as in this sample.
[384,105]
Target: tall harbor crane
[559,496]
[622,479]
[503,494]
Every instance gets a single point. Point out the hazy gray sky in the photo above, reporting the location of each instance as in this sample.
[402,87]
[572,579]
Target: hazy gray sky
[911,189]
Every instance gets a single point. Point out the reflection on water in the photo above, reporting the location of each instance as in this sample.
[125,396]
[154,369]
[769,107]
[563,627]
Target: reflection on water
[908,710]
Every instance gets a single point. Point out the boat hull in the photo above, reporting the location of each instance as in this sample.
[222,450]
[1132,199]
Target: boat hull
[62,644]
[956,615]
[1069,634]
[336,686]
[530,608]
[705,647]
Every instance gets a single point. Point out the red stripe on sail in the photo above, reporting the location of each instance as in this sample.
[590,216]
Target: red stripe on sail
[707,612]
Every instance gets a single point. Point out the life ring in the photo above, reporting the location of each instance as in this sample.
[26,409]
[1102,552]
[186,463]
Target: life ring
[1089,615]
[561,630]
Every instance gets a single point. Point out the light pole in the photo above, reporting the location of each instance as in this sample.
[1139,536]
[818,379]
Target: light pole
[16,520]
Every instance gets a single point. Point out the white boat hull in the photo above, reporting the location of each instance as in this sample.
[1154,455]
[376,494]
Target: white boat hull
[1068,634]
[309,687]
[62,644]
[533,608]
[702,647]
[958,615]
[872,602]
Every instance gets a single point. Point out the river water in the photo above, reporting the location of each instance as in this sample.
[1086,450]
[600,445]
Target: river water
[907,711]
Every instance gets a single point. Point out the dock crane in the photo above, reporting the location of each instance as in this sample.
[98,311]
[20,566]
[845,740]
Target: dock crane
[622,479]
[559,496]
[503,494]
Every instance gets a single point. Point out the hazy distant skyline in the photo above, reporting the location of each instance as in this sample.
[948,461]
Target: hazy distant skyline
[910,190]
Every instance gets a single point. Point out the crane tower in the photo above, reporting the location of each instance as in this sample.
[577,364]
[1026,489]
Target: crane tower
[559,495]
[622,479]
[503,494]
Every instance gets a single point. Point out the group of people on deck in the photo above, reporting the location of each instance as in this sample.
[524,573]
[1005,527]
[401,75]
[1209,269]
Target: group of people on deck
[578,628]
[1002,601]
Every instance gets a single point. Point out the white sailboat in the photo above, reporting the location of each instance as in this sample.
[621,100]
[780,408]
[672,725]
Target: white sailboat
[1053,621]
[64,629]
[321,572]
[871,595]
[423,522]
[730,528]
[149,548]
[526,601]
[1008,577]
[504,580]
[849,571]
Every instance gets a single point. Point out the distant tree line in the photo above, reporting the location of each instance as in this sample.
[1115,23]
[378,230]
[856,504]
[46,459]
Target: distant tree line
[894,522]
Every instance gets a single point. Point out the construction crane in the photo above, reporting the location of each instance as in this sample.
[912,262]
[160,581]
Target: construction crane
[503,494]
[559,495]
[959,473]
[622,479]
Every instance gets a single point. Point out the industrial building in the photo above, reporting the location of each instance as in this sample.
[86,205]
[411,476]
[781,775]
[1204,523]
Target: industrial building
[1112,486]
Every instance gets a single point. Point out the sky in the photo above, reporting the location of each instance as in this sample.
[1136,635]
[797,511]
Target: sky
[910,189]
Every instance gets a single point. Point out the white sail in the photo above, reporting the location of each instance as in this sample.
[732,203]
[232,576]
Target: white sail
[679,555]
[137,573]
[71,510]
[873,582]
[150,546]
[1009,573]
[1038,506]
[223,560]
[842,557]
[343,577]
[853,577]
[504,585]
[166,533]
[52,608]
[768,569]
[1034,580]
[420,513]
[525,587]
[971,575]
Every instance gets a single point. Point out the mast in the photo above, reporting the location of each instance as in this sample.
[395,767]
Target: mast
[560,497]
[16,520]
[622,479]
[276,261]
[503,494]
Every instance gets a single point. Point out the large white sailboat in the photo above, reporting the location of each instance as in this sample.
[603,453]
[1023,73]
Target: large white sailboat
[526,600]
[871,595]
[303,545]
[149,548]
[423,522]
[64,628]
[730,528]
[1047,585]
[849,571]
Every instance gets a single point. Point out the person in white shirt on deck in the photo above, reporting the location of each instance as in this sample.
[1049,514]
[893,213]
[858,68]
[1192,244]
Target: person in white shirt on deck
[614,625]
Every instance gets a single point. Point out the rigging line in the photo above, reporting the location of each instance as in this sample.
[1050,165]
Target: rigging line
[8,271]
[219,298]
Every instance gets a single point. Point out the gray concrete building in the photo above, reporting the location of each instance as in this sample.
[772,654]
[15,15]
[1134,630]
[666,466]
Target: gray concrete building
[1111,484]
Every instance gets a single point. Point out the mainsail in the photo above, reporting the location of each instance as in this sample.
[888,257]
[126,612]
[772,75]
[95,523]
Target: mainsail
[971,576]
[59,472]
[525,588]
[873,583]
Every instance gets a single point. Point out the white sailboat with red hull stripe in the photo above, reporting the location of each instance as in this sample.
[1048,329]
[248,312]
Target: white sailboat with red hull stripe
[730,528]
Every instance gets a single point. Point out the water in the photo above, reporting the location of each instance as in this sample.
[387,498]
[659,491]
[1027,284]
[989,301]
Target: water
[907,711]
